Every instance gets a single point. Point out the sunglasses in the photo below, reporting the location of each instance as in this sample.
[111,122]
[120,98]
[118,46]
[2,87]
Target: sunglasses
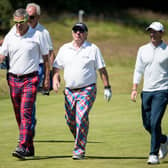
[78,30]
[20,21]
[32,17]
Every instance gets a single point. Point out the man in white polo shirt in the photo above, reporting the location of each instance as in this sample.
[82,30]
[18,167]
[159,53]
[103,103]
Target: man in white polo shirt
[34,13]
[24,47]
[80,60]
[152,63]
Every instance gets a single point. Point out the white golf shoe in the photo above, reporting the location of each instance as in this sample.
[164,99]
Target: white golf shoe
[78,156]
[163,150]
[153,159]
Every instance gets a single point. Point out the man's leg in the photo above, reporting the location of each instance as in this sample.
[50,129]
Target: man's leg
[15,93]
[33,120]
[159,103]
[146,110]
[86,99]
[27,103]
[70,108]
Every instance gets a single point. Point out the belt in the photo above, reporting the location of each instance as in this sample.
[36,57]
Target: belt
[77,89]
[32,74]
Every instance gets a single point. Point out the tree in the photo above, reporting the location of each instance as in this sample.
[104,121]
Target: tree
[5,15]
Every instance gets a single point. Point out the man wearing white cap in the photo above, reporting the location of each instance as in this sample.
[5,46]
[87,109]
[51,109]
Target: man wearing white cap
[80,60]
[152,63]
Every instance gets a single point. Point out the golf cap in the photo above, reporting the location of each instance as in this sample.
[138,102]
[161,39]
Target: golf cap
[80,26]
[157,26]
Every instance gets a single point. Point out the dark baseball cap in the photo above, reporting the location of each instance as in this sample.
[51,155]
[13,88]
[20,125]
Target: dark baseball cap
[80,26]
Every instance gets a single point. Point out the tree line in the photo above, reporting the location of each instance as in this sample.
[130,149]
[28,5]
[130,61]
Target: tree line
[91,7]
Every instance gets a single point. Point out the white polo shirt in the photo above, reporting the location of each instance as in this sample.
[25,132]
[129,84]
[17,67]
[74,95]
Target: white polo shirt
[45,34]
[24,51]
[79,65]
[47,38]
[152,62]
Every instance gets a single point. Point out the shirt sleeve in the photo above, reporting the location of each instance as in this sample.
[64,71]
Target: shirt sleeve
[44,47]
[4,48]
[99,59]
[48,38]
[58,62]
[139,68]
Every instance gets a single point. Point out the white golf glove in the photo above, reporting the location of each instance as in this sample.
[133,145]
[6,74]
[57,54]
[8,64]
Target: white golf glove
[107,93]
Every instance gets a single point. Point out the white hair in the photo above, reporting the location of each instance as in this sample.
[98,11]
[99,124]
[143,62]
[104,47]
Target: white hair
[36,6]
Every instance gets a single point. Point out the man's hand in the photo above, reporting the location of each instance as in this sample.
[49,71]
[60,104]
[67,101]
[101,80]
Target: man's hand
[107,94]
[134,95]
[46,84]
[56,79]
[56,85]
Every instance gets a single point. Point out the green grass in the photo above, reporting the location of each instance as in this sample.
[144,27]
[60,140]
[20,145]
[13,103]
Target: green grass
[116,137]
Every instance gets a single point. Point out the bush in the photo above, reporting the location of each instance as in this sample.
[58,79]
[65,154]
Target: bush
[5,15]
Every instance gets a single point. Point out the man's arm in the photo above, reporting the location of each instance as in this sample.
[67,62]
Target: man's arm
[56,79]
[46,83]
[2,58]
[1,42]
[52,57]
[134,92]
[107,87]
[104,76]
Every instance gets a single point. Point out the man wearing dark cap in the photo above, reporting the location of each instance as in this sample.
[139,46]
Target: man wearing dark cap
[152,63]
[80,60]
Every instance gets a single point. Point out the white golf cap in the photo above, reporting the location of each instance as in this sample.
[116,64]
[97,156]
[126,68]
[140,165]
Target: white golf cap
[157,26]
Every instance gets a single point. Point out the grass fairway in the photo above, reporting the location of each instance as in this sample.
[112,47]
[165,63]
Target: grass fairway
[116,137]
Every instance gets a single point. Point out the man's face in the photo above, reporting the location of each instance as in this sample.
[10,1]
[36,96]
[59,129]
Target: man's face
[21,24]
[79,35]
[155,36]
[33,17]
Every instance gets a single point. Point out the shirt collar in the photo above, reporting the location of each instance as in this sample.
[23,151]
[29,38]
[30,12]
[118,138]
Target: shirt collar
[16,34]
[37,26]
[161,45]
[85,44]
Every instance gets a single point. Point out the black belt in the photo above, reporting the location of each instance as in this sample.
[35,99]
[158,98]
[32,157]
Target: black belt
[32,74]
[77,89]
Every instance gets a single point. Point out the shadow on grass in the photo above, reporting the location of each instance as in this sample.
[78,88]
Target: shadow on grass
[86,158]
[53,141]
[165,162]
[61,141]
[115,157]
[47,157]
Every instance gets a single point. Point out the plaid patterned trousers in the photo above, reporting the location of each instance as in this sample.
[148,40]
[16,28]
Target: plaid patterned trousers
[78,103]
[23,94]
